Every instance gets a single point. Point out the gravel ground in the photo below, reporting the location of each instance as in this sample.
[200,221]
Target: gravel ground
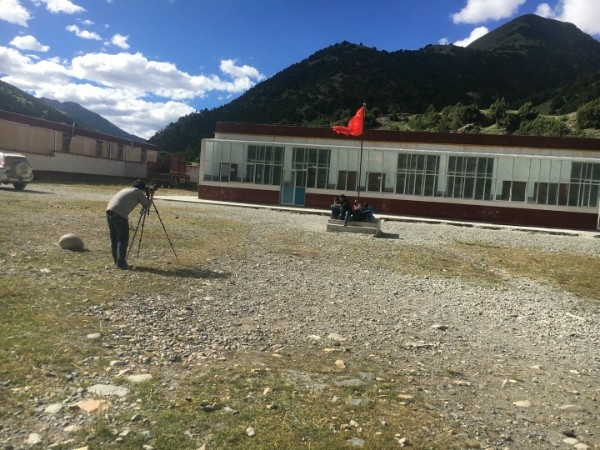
[527,354]
[515,367]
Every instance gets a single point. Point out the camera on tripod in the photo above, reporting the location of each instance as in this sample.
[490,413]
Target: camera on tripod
[151,189]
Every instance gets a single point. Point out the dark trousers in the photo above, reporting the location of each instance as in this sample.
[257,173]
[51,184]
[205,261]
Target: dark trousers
[118,228]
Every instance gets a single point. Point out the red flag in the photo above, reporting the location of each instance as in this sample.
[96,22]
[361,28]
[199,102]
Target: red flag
[355,126]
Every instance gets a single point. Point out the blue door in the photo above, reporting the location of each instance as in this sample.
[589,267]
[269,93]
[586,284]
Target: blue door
[292,188]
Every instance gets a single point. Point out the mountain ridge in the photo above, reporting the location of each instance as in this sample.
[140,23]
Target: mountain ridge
[551,64]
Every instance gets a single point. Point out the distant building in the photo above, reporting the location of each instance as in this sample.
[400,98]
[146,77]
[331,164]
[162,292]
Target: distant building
[519,180]
[55,149]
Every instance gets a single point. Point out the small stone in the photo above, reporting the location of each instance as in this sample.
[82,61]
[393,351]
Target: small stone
[108,389]
[250,431]
[53,409]
[94,336]
[139,378]
[340,364]
[522,404]
[34,439]
[571,408]
[356,442]
[90,405]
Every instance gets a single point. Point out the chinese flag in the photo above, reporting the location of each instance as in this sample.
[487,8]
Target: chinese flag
[355,126]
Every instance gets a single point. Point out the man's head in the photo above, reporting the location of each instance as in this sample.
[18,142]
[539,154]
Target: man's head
[139,184]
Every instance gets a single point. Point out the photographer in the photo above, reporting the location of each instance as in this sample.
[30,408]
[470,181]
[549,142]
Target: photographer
[117,215]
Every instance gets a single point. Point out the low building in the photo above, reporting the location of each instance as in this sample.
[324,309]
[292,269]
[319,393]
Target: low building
[58,150]
[518,180]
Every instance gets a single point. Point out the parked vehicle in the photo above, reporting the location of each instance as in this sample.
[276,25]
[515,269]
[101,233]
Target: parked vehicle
[170,172]
[15,170]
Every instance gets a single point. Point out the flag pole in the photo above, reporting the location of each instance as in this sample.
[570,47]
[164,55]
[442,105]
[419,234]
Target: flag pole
[361,153]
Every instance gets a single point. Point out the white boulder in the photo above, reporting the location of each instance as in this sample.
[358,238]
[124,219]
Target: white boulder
[71,242]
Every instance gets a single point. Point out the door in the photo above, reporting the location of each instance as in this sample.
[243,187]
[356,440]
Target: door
[293,189]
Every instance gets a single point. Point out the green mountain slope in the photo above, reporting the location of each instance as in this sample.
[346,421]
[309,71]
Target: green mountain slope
[527,58]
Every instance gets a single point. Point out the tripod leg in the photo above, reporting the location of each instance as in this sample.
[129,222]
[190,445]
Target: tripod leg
[137,228]
[165,230]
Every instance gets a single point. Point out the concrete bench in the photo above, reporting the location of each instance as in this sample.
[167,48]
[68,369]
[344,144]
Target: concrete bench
[353,226]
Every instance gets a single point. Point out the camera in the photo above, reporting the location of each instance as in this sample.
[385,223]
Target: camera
[150,190]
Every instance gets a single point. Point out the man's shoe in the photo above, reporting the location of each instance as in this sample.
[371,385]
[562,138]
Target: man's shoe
[124,267]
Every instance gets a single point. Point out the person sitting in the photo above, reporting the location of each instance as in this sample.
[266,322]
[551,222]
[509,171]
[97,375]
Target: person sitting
[356,210]
[336,209]
[345,208]
[368,212]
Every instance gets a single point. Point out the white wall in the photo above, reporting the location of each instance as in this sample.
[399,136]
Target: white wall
[78,164]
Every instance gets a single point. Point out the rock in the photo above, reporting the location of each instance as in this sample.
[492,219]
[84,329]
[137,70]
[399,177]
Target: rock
[522,404]
[34,439]
[53,409]
[91,405]
[356,442]
[139,378]
[108,389]
[71,242]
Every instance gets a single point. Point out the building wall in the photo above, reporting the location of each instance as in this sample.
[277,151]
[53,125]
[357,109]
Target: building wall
[54,149]
[499,179]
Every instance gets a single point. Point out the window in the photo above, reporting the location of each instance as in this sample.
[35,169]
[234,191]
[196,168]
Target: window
[470,177]
[144,155]
[99,147]
[264,164]
[417,174]
[315,161]
[66,143]
[347,180]
[120,151]
[585,179]
[551,193]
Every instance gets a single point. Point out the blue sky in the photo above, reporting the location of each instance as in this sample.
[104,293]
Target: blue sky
[142,64]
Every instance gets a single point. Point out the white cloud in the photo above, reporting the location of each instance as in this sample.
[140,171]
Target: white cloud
[475,34]
[479,11]
[585,14]
[12,11]
[136,94]
[29,43]
[62,6]
[120,41]
[83,34]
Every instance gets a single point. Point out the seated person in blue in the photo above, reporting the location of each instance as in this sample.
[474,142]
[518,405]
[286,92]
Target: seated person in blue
[368,212]
[336,208]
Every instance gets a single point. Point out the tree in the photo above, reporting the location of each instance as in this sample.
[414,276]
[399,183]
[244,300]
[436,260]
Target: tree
[543,126]
[588,116]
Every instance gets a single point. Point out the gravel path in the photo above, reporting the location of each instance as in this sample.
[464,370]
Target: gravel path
[516,367]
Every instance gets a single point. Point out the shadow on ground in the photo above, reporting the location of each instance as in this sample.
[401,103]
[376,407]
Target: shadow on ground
[184,272]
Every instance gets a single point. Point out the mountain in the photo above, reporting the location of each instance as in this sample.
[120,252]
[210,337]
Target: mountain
[15,100]
[528,58]
[89,119]
[552,65]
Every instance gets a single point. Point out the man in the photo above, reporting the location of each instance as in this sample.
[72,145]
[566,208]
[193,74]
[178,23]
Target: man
[346,209]
[117,216]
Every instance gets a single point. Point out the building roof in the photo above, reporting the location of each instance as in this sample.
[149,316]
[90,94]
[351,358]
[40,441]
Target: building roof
[545,142]
[70,129]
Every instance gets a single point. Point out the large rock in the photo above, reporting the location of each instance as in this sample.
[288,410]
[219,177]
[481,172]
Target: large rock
[71,242]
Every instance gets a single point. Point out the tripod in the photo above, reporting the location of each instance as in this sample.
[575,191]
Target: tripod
[141,221]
